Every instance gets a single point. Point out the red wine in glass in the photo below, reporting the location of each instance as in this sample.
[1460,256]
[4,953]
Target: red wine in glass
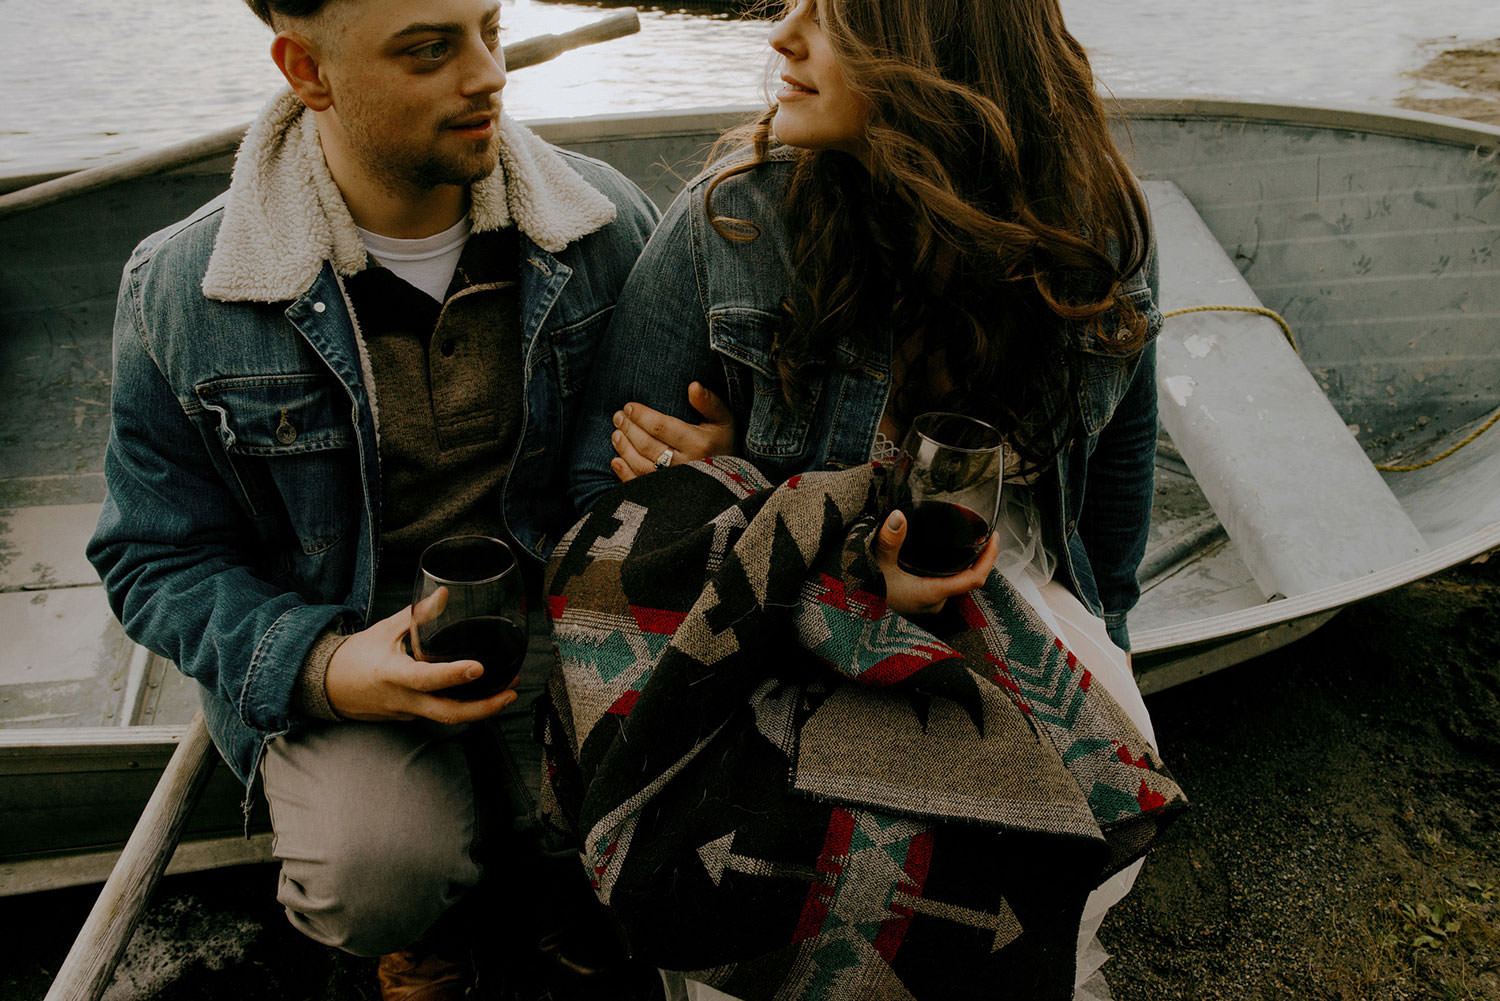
[483,617]
[496,642]
[942,539]
[948,483]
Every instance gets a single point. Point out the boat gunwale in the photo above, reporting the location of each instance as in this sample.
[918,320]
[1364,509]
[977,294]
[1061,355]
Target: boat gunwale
[54,185]
[1231,625]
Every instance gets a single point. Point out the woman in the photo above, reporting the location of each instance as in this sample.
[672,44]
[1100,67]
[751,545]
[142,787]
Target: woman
[930,216]
[951,228]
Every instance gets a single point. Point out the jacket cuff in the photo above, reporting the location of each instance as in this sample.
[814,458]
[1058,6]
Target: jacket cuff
[310,692]
[1114,625]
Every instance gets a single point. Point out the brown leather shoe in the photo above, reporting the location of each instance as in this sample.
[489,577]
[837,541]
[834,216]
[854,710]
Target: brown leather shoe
[422,976]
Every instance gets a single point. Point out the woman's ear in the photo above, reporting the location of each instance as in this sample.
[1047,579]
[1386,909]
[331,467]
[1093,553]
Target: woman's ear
[299,61]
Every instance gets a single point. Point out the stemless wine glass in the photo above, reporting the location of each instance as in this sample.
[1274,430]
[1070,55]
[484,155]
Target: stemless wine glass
[947,481]
[485,615]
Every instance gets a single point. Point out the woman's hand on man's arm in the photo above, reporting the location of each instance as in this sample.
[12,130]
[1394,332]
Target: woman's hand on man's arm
[643,435]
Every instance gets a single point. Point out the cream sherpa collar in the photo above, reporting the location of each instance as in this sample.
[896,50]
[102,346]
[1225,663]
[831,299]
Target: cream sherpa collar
[285,216]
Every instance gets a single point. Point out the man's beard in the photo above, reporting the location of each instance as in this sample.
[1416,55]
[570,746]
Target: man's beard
[406,166]
[430,168]
[462,168]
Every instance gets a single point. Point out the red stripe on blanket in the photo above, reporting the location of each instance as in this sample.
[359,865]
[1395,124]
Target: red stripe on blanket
[865,605]
[661,621]
[901,666]
[1149,798]
[733,475]
[893,930]
[1123,753]
[624,704]
[555,605]
[972,614]
[830,867]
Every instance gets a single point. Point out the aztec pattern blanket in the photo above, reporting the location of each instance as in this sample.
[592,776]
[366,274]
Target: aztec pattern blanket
[787,790]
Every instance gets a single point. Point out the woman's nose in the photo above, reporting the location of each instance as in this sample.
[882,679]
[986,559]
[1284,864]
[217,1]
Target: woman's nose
[785,37]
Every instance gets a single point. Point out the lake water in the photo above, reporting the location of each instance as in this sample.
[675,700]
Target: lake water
[86,81]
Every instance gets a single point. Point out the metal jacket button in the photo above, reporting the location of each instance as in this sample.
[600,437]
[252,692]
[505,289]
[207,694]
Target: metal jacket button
[285,433]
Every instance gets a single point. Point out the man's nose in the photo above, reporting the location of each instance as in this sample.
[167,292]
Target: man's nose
[486,72]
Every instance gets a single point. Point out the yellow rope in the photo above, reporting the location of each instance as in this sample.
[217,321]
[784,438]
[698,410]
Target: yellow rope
[1257,310]
[1439,458]
[1287,330]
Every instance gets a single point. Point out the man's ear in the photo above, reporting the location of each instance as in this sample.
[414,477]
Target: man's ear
[300,62]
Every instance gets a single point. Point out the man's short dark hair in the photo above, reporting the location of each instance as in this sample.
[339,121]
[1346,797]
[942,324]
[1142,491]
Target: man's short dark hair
[268,9]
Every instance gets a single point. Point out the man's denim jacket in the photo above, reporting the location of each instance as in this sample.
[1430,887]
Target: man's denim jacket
[242,469]
[699,306]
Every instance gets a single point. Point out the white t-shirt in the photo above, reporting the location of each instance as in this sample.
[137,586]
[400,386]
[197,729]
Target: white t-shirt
[426,263]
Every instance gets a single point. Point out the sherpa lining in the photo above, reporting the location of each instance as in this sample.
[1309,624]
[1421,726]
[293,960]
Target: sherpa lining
[285,215]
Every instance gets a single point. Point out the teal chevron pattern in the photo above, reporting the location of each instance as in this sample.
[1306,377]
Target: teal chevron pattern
[858,637]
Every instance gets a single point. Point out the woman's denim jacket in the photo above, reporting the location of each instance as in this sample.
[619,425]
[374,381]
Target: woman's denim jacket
[242,467]
[698,306]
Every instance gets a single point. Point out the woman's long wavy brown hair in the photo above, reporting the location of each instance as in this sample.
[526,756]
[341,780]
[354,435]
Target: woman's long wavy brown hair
[989,230]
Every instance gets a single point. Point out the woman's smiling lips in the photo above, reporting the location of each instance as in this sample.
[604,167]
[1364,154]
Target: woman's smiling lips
[793,88]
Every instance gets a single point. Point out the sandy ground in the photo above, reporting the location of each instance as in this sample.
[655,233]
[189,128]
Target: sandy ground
[1344,841]
[1472,68]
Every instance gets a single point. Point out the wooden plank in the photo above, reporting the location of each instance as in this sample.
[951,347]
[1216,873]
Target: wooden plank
[55,872]
[96,952]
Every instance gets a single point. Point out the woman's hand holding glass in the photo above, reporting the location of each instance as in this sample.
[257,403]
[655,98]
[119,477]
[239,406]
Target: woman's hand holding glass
[908,594]
[646,439]
[940,540]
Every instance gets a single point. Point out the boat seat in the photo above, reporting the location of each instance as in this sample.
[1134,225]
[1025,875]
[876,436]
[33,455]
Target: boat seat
[1295,492]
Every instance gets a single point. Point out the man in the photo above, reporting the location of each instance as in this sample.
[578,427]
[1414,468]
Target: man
[374,340]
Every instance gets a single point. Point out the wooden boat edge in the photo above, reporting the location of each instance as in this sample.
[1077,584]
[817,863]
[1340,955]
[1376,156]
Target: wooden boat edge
[22,191]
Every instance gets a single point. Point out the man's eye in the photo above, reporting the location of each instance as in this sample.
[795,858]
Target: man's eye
[492,36]
[430,53]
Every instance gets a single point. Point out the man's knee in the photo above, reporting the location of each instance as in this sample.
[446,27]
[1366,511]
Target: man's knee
[375,827]
[377,890]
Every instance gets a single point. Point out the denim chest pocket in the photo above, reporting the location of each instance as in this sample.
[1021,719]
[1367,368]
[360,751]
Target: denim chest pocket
[772,430]
[1105,375]
[289,442]
[573,348]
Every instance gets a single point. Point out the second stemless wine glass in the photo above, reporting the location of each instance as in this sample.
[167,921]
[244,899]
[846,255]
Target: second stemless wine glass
[948,484]
[485,616]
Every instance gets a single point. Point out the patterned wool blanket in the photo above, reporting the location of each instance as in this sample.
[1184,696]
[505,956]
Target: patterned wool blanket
[786,789]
